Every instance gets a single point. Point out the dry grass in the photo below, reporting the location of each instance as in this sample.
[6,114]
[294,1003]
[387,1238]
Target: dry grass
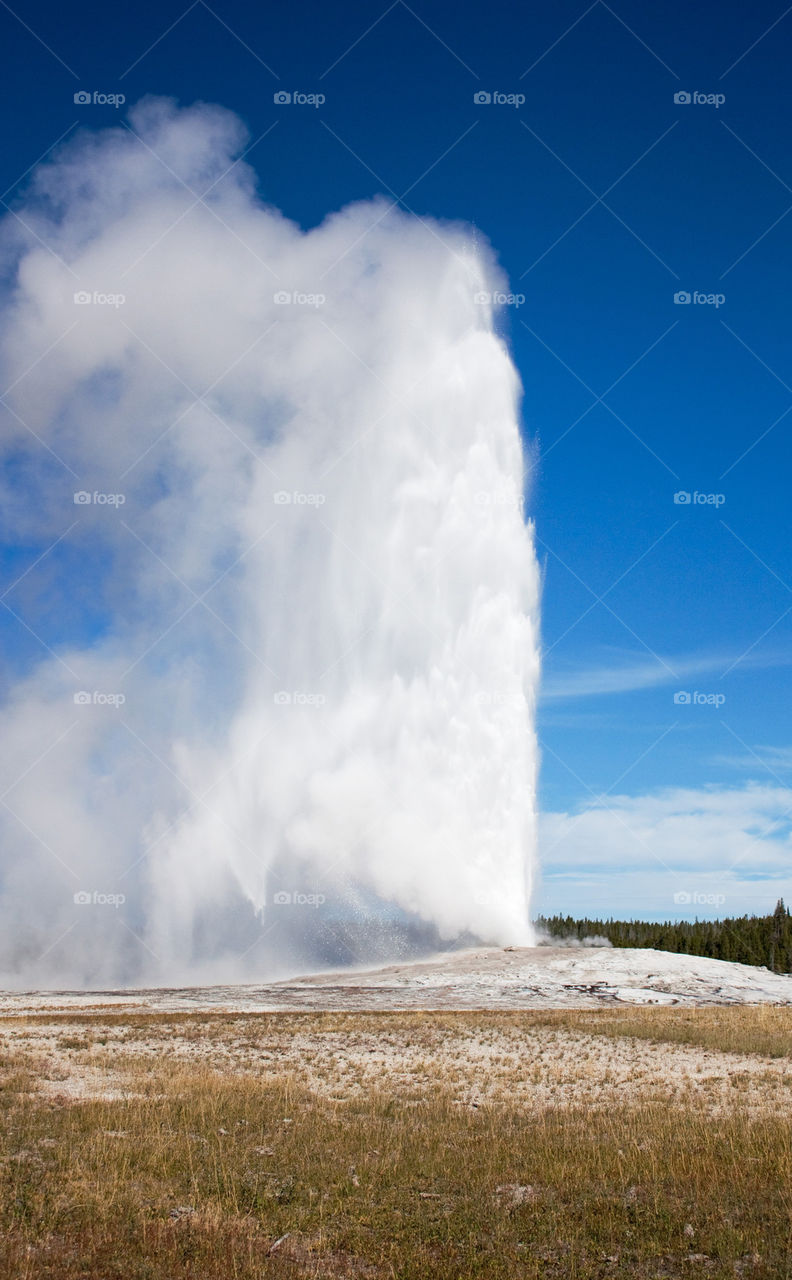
[762,1029]
[449,1146]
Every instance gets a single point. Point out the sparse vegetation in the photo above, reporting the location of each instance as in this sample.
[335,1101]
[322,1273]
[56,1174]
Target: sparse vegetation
[451,1145]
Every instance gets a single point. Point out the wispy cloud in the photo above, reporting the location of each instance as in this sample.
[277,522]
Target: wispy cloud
[774,759]
[627,673]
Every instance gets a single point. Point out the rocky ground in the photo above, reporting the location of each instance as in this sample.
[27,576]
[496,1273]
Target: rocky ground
[487,978]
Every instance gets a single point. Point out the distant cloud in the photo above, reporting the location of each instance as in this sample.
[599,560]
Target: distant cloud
[729,849]
[759,759]
[628,673]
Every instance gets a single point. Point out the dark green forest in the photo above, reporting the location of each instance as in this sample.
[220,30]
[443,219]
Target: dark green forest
[758,940]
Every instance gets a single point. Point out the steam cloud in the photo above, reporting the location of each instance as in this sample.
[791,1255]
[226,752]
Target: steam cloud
[296,589]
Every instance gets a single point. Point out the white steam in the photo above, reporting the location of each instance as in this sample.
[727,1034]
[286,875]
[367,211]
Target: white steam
[318,599]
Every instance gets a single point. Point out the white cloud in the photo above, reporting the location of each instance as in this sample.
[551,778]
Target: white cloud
[632,854]
[761,759]
[630,672]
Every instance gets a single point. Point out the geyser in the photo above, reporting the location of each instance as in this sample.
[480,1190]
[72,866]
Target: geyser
[275,656]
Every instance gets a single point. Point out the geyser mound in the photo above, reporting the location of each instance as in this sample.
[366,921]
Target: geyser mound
[318,597]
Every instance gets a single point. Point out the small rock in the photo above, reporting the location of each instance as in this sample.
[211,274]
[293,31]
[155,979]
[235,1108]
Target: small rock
[515,1193]
[277,1244]
[747,1262]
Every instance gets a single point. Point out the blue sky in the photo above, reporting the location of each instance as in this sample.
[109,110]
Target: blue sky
[603,198]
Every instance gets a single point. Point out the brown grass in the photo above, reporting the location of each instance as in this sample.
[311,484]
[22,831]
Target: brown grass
[246,1171]
[762,1028]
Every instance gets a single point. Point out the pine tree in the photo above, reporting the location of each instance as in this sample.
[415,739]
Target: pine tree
[755,940]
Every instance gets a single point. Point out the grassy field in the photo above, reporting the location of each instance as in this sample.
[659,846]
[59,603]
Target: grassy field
[759,1029]
[645,1143]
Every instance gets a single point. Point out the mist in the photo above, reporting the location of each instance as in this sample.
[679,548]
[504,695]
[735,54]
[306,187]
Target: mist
[272,625]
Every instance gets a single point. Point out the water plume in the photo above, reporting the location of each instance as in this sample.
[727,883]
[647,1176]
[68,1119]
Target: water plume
[275,480]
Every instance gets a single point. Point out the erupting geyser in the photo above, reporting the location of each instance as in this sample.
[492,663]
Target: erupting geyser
[314,586]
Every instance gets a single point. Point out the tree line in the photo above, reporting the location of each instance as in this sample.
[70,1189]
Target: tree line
[759,940]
